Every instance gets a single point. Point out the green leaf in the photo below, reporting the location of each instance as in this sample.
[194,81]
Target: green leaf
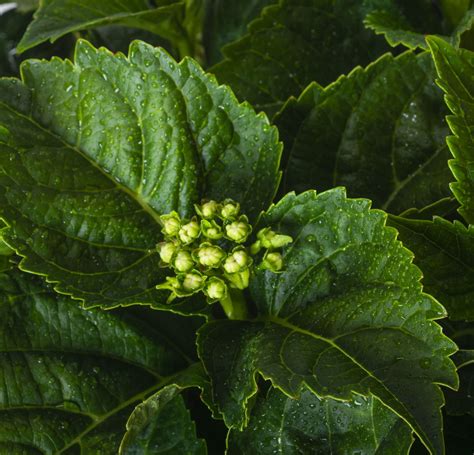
[461,402]
[444,251]
[347,315]
[55,18]
[279,424]
[93,152]
[71,377]
[162,423]
[226,22]
[379,131]
[454,69]
[262,68]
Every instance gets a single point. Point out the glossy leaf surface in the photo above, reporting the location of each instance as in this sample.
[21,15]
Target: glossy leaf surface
[279,424]
[347,315]
[380,132]
[95,151]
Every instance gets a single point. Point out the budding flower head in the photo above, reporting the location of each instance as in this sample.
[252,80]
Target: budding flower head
[211,230]
[273,262]
[230,209]
[238,231]
[166,250]
[215,289]
[270,239]
[171,224]
[208,209]
[209,255]
[183,262]
[189,232]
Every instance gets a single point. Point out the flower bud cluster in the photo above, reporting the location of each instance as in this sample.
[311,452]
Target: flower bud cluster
[208,252]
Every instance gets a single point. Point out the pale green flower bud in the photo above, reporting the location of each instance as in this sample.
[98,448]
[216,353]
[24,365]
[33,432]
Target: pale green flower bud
[238,261]
[238,231]
[211,230]
[171,224]
[209,255]
[183,262]
[256,247]
[273,262]
[166,250]
[193,282]
[230,209]
[270,239]
[239,280]
[215,289]
[208,209]
[189,232]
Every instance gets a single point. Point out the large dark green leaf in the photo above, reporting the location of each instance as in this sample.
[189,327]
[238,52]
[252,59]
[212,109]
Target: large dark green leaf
[328,37]
[227,21]
[379,131]
[55,18]
[455,69]
[347,315]
[310,425]
[93,152]
[71,377]
[444,251]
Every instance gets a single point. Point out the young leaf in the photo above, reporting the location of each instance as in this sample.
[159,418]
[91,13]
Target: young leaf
[455,67]
[93,152]
[379,131]
[261,68]
[347,315]
[55,18]
[444,252]
[71,377]
[279,424]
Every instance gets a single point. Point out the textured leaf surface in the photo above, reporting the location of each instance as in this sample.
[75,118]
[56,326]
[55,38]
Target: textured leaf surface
[260,68]
[455,69]
[71,377]
[379,131]
[94,151]
[347,315]
[279,424]
[227,21]
[55,18]
[444,252]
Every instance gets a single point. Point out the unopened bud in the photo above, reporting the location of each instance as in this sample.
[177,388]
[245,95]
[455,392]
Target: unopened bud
[189,232]
[211,230]
[183,262]
[270,239]
[193,282]
[210,255]
[215,289]
[208,209]
[273,262]
[166,251]
[238,231]
[238,261]
[230,209]
[171,224]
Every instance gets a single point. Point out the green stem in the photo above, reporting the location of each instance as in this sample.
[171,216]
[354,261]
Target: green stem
[234,305]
